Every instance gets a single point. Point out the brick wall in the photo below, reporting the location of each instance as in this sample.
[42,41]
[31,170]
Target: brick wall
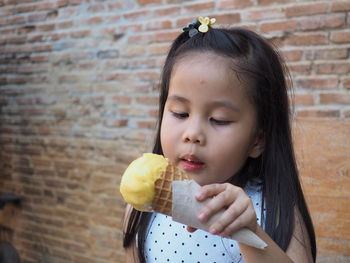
[78,84]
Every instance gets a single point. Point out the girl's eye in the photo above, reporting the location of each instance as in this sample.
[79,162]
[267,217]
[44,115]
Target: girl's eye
[219,122]
[180,115]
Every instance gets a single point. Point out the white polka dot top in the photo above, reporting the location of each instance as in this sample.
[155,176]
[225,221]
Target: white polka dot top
[169,241]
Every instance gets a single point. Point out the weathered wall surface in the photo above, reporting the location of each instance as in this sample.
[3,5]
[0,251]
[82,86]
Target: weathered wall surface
[78,85]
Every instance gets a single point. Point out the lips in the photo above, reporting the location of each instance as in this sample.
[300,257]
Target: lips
[191,163]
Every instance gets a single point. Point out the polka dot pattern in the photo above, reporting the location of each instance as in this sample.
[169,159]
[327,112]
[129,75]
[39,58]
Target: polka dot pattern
[169,241]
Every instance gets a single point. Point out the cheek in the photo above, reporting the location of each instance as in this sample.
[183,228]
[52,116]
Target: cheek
[166,135]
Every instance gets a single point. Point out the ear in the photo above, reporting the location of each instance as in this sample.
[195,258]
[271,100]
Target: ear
[258,146]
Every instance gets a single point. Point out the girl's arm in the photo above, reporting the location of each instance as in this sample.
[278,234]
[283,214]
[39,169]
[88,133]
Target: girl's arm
[130,251]
[240,213]
[299,249]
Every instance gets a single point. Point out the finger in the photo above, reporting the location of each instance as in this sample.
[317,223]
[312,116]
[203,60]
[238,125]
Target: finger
[235,210]
[219,202]
[246,220]
[210,191]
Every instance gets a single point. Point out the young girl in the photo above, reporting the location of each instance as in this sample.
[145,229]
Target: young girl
[224,119]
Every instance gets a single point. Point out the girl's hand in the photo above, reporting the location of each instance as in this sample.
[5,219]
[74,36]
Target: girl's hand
[239,210]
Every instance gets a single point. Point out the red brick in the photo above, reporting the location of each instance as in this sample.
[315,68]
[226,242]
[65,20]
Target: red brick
[68,79]
[112,18]
[231,18]
[146,124]
[340,37]
[113,123]
[332,67]
[133,51]
[55,37]
[306,9]
[199,7]
[149,2]
[158,49]
[147,100]
[303,68]
[327,54]
[61,3]
[16,40]
[269,2]
[307,39]
[304,99]
[94,20]
[25,8]
[141,38]
[263,14]
[320,22]
[168,11]
[44,6]
[136,15]
[131,28]
[286,26]
[292,55]
[317,83]
[225,4]
[166,36]
[117,5]
[148,75]
[153,113]
[37,17]
[335,21]
[330,248]
[47,27]
[346,83]
[96,8]
[318,113]
[132,112]
[157,25]
[16,20]
[340,6]
[330,223]
[75,2]
[121,99]
[80,34]
[335,98]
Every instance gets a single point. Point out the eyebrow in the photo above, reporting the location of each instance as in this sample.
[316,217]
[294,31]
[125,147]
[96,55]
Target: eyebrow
[179,98]
[226,104]
[218,103]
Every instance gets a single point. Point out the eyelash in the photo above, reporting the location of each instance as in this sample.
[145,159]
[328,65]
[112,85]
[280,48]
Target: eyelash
[215,121]
[180,115]
[220,122]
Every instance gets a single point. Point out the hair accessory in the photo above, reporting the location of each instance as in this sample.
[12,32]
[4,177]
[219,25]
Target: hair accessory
[199,24]
[205,23]
[192,28]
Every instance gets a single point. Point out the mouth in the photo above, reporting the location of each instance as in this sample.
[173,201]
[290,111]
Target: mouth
[191,163]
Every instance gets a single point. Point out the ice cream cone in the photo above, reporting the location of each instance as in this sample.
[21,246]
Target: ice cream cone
[162,202]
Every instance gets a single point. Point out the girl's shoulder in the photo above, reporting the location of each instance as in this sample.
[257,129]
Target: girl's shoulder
[254,187]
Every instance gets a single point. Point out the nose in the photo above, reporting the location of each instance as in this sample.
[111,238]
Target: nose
[194,133]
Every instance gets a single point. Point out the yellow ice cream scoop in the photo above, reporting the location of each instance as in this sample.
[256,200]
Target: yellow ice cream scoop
[138,180]
[147,183]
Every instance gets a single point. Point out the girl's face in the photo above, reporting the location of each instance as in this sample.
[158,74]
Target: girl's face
[209,124]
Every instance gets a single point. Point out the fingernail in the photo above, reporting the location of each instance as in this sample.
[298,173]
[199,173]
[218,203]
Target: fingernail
[213,231]
[199,195]
[201,216]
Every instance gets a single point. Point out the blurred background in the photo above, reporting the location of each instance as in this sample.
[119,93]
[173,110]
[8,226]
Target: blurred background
[78,101]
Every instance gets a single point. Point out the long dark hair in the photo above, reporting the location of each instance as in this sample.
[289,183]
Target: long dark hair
[261,67]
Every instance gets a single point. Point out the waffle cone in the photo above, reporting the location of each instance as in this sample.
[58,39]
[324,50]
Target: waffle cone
[162,202]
